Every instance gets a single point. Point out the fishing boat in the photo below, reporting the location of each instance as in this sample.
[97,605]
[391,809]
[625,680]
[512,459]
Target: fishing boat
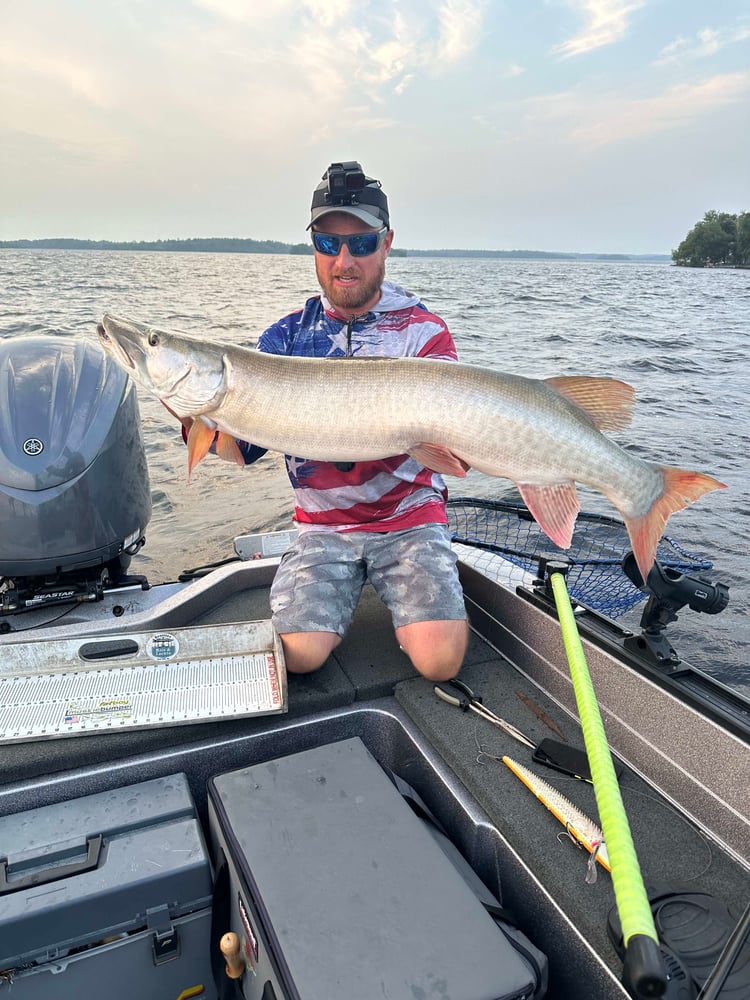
[153,729]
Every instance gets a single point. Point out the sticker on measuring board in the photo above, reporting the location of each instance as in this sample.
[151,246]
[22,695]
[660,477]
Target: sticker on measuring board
[163,646]
[98,711]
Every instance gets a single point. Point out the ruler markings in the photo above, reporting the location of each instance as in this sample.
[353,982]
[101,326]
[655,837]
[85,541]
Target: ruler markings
[133,696]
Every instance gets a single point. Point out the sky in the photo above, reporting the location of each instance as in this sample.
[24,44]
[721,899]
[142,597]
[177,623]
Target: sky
[562,125]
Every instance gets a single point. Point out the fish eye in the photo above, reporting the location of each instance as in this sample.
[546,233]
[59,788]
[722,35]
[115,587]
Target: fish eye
[153,338]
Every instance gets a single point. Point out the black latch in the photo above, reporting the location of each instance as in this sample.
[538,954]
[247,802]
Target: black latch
[165,944]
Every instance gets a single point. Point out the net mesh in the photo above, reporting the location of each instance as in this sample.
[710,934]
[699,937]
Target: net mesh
[595,577]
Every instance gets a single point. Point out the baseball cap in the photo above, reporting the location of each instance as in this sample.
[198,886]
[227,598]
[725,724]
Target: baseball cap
[345,188]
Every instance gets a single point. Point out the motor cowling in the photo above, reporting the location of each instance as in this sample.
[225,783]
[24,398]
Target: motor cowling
[74,485]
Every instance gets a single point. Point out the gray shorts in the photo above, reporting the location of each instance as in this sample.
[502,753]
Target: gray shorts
[320,579]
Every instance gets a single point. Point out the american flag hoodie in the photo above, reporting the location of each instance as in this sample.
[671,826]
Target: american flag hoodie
[387,494]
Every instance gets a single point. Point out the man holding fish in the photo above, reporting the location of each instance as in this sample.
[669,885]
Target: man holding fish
[383,520]
[363,385]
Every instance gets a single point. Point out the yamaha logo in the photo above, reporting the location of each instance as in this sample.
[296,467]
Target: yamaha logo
[33,446]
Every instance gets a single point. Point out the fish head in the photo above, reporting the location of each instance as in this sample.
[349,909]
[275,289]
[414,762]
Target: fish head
[187,374]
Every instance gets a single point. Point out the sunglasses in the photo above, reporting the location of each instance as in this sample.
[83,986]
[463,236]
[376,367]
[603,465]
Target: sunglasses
[359,245]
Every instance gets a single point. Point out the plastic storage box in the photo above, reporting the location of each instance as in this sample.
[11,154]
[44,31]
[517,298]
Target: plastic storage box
[106,895]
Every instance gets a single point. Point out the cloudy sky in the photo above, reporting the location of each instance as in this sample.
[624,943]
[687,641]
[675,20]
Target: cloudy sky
[583,125]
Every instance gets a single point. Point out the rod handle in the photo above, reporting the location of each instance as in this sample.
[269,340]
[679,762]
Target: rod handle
[643,972]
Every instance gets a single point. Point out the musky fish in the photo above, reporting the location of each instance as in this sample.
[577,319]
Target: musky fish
[544,435]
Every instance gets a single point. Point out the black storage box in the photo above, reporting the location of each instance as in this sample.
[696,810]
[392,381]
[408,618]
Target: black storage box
[337,890]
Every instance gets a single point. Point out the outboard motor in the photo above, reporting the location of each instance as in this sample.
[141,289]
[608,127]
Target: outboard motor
[75,497]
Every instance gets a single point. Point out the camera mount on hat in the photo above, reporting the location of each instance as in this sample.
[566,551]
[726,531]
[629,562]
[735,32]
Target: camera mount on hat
[345,181]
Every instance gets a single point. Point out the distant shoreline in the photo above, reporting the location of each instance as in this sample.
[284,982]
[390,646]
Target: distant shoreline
[228,245]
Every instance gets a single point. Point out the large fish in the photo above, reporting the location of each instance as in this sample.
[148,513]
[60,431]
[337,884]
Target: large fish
[545,435]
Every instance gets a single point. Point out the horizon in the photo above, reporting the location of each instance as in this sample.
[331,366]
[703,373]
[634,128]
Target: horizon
[253,239]
[577,123]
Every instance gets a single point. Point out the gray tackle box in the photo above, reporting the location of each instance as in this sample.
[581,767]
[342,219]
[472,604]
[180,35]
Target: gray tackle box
[337,889]
[106,895]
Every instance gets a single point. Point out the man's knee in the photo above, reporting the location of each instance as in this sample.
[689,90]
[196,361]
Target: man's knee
[438,672]
[305,652]
[436,649]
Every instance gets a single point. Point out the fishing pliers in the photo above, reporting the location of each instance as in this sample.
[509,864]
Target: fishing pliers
[465,699]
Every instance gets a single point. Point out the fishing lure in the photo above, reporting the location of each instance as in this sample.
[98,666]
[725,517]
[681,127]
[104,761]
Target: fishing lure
[576,823]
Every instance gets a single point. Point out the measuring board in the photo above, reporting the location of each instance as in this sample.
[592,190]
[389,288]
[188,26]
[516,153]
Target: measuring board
[69,687]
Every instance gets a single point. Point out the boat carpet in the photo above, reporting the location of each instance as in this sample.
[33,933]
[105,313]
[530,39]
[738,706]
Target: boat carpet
[367,666]
[670,849]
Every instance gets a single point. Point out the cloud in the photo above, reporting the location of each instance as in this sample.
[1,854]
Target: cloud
[421,34]
[129,81]
[606,21]
[403,83]
[607,119]
[56,107]
[460,29]
[327,13]
[242,12]
[55,70]
[706,43]
[369,55]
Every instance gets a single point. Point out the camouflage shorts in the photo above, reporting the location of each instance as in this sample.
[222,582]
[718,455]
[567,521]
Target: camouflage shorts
[320,579]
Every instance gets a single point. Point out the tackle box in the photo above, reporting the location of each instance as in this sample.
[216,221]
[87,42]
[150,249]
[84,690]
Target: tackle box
[107,895]
[336,889]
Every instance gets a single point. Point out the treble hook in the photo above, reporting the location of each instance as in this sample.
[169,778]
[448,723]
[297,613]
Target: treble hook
[566,833]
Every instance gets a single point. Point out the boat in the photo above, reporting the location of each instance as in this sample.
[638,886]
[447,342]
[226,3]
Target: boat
[679,737]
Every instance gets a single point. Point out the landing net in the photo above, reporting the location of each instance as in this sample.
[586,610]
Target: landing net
[595,577]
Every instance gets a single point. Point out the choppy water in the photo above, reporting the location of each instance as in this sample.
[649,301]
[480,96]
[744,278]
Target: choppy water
[681,337]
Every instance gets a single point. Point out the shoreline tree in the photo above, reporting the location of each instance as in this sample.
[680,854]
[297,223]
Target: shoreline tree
[719,239]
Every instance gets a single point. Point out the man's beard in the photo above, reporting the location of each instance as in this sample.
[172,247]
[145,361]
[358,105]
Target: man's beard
[355,298]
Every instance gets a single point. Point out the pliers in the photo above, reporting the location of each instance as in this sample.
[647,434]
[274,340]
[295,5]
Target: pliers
[467,701]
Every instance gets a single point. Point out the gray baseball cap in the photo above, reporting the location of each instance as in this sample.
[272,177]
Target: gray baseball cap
[344,188]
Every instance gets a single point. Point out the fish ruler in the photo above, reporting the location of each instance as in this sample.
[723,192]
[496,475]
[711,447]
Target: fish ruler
[51,688]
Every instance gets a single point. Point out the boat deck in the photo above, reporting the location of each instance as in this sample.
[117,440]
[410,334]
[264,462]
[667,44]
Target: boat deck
[369,688]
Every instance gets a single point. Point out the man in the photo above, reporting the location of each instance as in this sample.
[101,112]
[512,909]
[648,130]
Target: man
[382,521]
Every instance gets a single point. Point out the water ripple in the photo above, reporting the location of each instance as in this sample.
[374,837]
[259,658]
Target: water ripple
[680,336]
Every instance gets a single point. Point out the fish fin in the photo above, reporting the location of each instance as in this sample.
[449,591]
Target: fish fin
[608,402]
[440,459]
[681,487]
[228,449]
[199,440]
[554,508]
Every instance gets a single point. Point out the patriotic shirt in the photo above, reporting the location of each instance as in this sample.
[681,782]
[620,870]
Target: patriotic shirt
[384,495]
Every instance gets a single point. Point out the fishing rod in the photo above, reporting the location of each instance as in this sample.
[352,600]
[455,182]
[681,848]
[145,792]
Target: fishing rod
[644,975]
[713,986]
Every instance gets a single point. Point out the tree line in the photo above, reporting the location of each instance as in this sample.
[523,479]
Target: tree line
[718,239]
[221,244]
[192,245]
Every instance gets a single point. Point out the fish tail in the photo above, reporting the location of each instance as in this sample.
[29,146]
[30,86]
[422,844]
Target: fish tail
[681,487]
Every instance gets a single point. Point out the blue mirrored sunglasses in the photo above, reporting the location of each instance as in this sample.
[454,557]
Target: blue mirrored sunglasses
[360,244]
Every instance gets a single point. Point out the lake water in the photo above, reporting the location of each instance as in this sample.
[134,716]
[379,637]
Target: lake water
[680,337]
